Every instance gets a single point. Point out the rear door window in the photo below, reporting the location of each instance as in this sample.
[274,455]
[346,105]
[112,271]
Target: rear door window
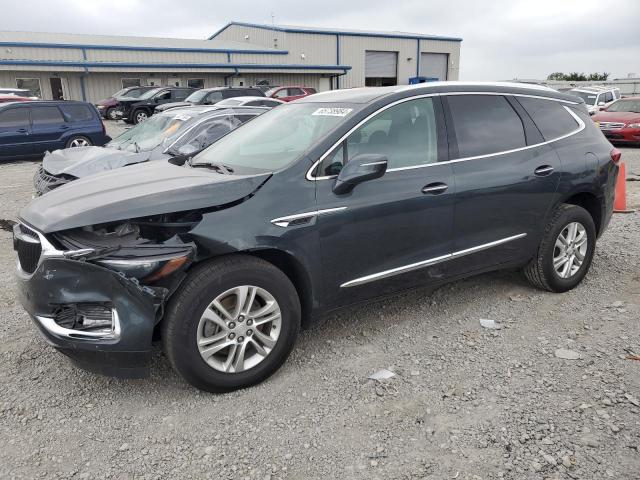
[180,95]
[14,118]
[485,124]
[551,118]
[78,113]
[46,115]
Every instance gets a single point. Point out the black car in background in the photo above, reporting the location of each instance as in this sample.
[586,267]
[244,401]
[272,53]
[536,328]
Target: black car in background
[334,199]
[107,107]
[210,96]
[136,110]
[29,129]
[180,131]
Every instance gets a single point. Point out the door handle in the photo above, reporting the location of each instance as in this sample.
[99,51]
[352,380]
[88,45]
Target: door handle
[435,188]
[543,171]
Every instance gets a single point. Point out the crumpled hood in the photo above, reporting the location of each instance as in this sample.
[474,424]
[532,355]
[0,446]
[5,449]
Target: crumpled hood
[136,191]
[82,161]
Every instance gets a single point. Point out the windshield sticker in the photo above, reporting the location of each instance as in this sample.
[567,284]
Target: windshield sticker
[333,112]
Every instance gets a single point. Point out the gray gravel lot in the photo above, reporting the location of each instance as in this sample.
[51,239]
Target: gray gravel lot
[467,402]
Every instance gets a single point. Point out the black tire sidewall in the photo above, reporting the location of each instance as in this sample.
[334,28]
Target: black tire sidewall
[186,357]
[573,214]
[135,115]
[76,137]
[109,112]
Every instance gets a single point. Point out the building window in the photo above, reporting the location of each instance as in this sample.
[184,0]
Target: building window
[195,82]
[31,84]
[131,82]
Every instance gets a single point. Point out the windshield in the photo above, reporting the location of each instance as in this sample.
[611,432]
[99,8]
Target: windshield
[149,134]
[196,96]
[276,138]
[271,91]
[625,106]
[119,93]
[149,93]
[589,98]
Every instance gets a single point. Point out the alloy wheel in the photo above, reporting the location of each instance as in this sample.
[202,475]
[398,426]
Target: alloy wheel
[79,142]
[570,250]
[141,117]
[239,329]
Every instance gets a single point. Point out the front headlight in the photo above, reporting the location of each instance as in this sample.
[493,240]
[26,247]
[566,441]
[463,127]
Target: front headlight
[100,107]
[146,269]
[633,125]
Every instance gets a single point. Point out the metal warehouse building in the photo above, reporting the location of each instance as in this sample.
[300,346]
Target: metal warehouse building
[92,67]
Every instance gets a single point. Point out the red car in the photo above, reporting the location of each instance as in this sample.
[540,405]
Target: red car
[13,98]
[287,94]
[620,121]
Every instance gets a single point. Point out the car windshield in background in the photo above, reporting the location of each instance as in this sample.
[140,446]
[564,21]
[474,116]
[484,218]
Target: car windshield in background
[149,134]
[230,102]
[589,98]
[196,96]
[625,106]
[120,93]
[270,92]
[149,93]
[276,138]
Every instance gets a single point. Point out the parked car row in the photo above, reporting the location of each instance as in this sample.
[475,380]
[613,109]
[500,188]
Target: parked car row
[320,203]
[135,106]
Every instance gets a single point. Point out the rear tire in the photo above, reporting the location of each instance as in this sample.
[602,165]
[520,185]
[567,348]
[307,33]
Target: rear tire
[561,261]
[183,328]
[78,141]
[111,114]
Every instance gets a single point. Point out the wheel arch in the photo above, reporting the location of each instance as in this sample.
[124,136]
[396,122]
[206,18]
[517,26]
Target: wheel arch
[592,203]
[296,272]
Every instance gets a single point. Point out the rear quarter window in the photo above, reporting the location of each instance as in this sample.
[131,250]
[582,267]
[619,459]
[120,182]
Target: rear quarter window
[78,113]
[551,118]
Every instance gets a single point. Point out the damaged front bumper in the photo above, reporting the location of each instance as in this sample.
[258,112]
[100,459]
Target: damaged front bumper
[101,319]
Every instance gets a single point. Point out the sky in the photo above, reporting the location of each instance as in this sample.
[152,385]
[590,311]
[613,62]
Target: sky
[502,39]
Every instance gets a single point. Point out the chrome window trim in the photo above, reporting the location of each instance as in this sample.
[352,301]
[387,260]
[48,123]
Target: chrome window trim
[285,221]
[309,176]
[426,263]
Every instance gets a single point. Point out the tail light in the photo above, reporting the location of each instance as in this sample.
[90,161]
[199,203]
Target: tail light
[616,155]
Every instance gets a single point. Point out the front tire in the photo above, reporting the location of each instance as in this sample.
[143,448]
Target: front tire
[565,252]
[139,116]
[111,114]
[231,324]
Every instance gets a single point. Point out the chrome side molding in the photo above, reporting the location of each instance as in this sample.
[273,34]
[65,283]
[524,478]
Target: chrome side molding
[427,263]
[284,222]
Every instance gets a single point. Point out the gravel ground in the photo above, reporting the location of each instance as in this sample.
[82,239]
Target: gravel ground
[466,402]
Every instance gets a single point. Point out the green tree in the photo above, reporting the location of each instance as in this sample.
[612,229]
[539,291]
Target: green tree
[556,76]
[600,77]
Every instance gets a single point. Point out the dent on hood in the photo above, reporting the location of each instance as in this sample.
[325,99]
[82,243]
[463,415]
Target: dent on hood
[138,191]
[83,161]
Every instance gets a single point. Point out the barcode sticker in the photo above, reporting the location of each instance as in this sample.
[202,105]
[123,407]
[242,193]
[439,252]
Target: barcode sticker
[333,111]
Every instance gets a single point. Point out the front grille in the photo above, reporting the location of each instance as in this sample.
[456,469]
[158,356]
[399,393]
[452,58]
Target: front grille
[84,316]
[45,182]
[611,125]
[29,249]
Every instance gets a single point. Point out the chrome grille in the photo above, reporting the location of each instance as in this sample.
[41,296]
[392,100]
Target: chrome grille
[611,125]
[45,182]
[27,244]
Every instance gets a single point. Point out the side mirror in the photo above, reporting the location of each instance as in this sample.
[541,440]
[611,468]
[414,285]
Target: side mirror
[360,168]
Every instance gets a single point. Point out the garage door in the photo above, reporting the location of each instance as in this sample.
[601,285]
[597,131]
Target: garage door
[434,65]
[380,64]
